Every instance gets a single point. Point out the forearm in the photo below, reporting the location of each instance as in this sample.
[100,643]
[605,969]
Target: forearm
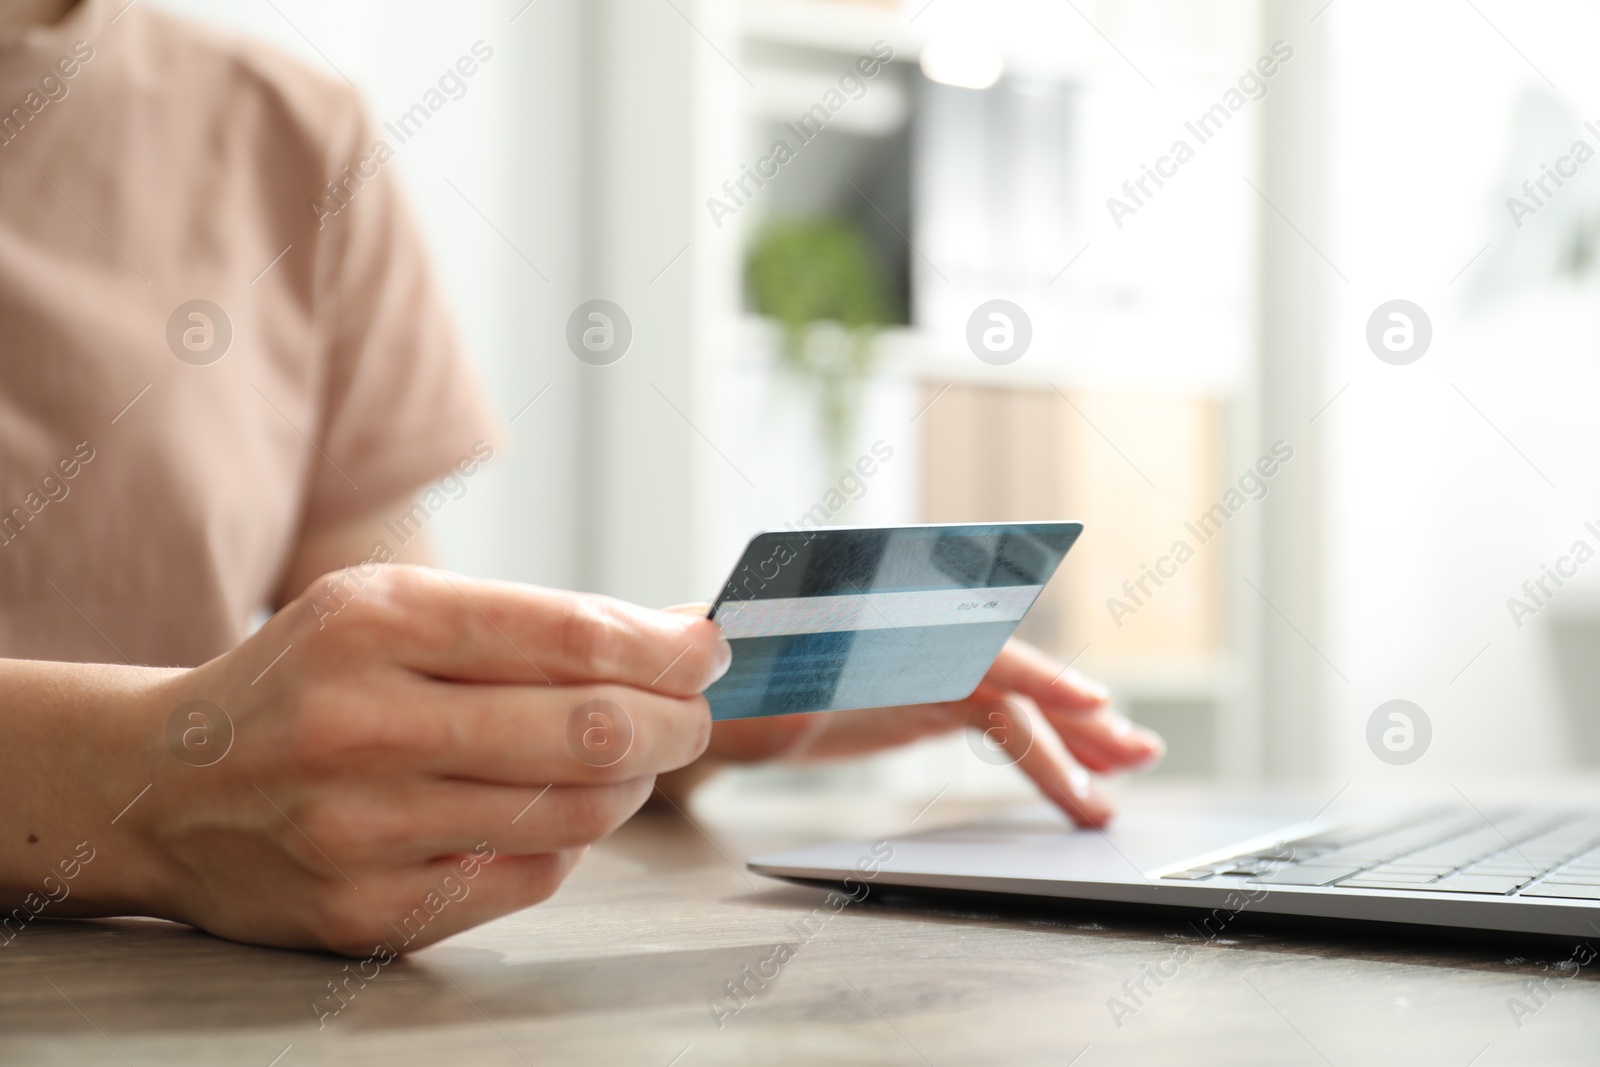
[348,544]
[81,743]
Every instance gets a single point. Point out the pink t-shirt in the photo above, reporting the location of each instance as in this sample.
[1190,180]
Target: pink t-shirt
[201,360]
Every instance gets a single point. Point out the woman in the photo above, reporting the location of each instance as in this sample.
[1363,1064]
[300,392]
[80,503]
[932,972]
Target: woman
[228,376]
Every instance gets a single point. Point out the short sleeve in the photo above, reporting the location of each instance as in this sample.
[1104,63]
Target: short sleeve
[401,404]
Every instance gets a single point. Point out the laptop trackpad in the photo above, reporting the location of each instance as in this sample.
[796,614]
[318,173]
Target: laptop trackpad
[1039,843]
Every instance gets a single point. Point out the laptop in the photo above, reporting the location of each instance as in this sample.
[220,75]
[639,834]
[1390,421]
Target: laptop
[1518,868]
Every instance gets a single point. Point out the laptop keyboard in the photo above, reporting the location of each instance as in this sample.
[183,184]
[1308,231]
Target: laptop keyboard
[1529,854]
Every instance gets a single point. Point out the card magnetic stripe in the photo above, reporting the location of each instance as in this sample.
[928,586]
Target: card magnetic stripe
[834,619]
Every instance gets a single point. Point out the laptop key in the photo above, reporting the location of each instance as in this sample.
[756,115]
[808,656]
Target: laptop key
[1383,883]
[1568,892]
[1479,883]
[1487,886]
[1306,874]
[1194,875]
[1418,887]
[1383,874]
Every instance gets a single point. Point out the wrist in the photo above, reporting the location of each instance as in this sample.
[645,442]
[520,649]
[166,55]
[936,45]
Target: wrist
[88,742]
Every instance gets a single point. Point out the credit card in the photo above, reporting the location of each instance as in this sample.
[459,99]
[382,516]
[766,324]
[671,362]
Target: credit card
[861,617]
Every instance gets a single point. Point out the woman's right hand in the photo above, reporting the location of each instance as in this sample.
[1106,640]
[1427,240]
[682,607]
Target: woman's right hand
[401,754]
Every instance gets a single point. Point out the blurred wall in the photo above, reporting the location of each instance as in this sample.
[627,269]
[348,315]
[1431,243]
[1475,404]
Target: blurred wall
[1452,480]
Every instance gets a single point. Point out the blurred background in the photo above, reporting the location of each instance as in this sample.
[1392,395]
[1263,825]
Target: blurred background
[1187,311]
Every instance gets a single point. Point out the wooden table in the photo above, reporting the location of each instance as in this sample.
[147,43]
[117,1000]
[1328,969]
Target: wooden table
[619,967]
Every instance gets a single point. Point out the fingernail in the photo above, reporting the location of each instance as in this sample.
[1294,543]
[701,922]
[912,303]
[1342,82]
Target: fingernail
[1153,744]
[1086,805]
[1098,809]
[1146,741]
[724,660]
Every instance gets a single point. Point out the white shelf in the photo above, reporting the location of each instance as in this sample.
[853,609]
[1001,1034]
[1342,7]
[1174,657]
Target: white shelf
[848,29]
[1074,53]
[912,353]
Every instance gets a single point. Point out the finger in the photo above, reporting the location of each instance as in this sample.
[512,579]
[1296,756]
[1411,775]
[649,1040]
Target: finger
[388,824]
[1026,670]
[836,734]
[698,609]
[767,737]
[468,629]
[1040,754]
[497,734]
[1105,741]
[533,735]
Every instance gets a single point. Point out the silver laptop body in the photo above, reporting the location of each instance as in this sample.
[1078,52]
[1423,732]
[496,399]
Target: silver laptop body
[1527,869]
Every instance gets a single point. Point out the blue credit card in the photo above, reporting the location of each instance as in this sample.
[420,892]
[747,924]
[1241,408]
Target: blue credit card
[862,617]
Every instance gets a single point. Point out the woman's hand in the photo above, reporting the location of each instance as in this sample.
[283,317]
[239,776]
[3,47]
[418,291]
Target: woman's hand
[1052,722]
[397,755]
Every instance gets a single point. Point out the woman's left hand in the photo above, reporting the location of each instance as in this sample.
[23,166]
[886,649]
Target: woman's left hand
[1055,724]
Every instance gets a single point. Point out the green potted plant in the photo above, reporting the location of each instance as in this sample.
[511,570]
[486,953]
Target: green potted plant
[819,279]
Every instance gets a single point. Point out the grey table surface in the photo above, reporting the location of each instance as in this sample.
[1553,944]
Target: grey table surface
[623,964]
